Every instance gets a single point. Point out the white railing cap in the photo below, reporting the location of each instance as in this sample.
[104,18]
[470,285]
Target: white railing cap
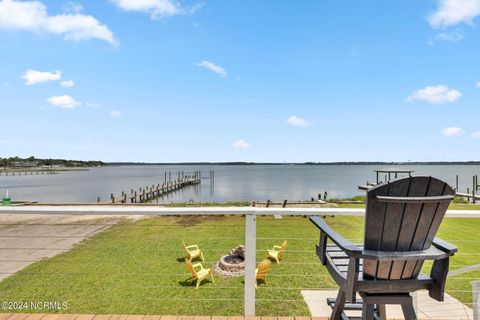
[159,210]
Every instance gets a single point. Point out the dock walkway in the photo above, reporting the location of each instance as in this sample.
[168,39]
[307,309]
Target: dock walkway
[154,191]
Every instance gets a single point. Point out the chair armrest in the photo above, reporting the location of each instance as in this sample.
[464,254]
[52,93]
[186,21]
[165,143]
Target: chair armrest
[428,254]
[444,246]
[276,247]
[439,270]
[436,199]
[349,248]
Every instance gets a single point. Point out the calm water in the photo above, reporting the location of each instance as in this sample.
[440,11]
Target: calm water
[232,183]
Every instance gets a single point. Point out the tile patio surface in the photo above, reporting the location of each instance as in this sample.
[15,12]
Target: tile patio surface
[427,308]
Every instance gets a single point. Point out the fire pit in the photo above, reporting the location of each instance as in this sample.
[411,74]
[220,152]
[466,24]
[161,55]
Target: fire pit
[232,264]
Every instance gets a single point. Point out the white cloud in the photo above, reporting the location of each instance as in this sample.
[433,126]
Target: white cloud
[156,8]
[453,132]
[78,27]
[33,76]
[115,113]
[72,7]
[212,67]
[449,36]
[435,94]
[241,144]
[476,135]
[67,83]
[297,122]
[93,105]
[64,102]
[452,12]
[32,16]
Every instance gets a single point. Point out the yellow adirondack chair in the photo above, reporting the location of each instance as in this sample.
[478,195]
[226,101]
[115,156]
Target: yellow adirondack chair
[277,251]
[199,273]
[261,271]
[193,251]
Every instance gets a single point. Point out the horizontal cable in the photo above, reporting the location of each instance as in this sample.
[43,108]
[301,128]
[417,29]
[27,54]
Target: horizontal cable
[150,274]
[83,245]
[114,237]
[153,299]
[75,224]
[94,261]
[134,286]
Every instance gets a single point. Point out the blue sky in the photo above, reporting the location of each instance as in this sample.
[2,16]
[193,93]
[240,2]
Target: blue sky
[165,81]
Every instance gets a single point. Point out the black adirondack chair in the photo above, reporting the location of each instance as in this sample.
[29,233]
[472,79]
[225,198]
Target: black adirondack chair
[402,218]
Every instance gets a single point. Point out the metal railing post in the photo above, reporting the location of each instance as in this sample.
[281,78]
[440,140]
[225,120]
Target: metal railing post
[250,259]
[476,299]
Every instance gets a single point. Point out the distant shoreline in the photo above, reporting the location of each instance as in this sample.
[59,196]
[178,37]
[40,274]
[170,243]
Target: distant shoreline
[359,163]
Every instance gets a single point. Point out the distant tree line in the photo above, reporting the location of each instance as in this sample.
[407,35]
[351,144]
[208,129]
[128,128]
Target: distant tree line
[360,163]
[35,162]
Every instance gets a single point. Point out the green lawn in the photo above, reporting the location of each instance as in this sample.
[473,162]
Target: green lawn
[137,267]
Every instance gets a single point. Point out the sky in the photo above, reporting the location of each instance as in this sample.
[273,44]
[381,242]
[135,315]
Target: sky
[240,80]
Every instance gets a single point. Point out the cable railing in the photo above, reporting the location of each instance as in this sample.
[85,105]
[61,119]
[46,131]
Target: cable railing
[145,261]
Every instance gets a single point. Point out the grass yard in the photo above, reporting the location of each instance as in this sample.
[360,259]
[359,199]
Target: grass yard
[137,267]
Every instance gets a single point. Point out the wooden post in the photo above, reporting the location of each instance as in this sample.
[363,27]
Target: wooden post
[377,177]
[98,199]
[268,203]
[112,197]
[284,203]
[476,299]
[250,264]
[456,182]
[473,189]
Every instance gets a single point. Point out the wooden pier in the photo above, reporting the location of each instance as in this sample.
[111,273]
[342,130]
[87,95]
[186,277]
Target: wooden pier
[38,171]
[472,194]
[26,173]
[154,191]
[285,203]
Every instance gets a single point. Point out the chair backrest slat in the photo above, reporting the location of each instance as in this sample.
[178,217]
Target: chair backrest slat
[264,266]
[190,268]
[395,224]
